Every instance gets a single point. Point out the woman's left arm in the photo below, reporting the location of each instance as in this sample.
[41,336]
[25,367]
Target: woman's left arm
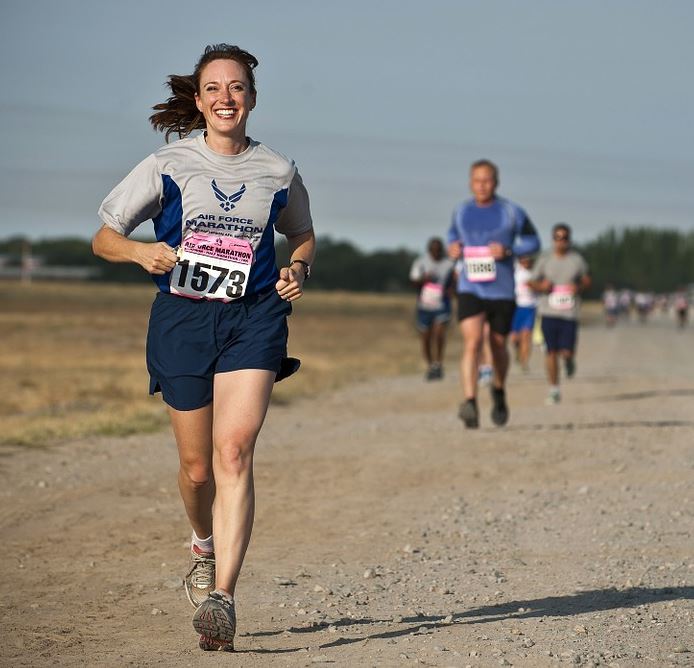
[302,249]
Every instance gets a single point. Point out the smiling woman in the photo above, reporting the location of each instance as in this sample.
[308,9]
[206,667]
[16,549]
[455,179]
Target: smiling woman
[217,339]
[185,111]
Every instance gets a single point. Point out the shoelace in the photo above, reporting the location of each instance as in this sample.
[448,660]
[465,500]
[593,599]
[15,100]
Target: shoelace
[202,572]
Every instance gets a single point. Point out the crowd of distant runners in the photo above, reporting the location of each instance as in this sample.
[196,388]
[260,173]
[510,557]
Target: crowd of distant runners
[502,283]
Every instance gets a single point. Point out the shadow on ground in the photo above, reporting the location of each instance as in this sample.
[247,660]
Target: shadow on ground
[634,396]
[552,606]
[606,424]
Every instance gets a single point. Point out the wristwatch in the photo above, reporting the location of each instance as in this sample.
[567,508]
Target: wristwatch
[306,265]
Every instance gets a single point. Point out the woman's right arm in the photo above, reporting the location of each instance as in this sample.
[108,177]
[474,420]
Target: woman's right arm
[156,258]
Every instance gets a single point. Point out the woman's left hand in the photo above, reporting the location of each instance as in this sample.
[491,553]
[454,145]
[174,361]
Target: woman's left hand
[291,284]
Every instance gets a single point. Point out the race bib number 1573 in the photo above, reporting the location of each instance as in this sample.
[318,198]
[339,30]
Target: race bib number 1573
[212,267]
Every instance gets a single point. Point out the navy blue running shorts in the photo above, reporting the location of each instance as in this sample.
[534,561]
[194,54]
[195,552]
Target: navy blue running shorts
[559,333]
[190,340]
[427,319]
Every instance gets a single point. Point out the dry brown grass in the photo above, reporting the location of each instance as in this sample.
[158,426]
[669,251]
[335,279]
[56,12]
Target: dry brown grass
[73,364]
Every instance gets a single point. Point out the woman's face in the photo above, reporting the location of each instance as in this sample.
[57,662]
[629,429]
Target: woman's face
[225,98]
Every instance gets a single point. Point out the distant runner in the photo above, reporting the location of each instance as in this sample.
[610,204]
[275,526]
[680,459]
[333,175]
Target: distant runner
[560,275]
[681,304]
[432,274]
[610,302]
[487,231]
[644,305]
[524,316]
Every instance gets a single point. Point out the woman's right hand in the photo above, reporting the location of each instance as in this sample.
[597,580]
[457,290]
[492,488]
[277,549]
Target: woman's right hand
[156,258]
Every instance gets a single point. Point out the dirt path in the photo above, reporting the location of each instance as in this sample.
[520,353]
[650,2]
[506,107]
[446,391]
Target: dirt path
[385,534]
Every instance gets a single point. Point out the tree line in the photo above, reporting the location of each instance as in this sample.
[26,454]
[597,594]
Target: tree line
[638,258]
[643,258]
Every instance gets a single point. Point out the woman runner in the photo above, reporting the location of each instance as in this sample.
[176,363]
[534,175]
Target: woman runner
[217,338]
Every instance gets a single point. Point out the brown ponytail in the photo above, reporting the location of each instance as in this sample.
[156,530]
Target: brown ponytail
[179,113]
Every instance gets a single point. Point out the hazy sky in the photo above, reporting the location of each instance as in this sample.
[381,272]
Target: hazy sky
[587,106]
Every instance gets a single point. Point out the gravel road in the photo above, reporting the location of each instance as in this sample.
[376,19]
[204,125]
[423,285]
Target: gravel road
[386,535]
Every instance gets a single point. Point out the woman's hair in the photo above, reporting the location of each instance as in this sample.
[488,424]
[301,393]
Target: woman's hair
[179,113]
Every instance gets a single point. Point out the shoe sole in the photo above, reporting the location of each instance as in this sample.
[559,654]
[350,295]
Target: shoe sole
[212,623]
[210,645]
[469,416]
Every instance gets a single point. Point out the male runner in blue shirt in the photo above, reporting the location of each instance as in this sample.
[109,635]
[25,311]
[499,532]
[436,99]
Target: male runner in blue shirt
[486,233]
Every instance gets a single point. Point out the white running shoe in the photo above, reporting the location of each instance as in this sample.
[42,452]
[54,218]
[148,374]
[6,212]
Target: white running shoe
[199,581]
[554,397]
[485,375]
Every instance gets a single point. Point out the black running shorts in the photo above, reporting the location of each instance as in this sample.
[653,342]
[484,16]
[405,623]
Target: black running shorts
[499,312]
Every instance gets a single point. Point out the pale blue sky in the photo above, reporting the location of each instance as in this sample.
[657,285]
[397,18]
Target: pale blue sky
[586,106]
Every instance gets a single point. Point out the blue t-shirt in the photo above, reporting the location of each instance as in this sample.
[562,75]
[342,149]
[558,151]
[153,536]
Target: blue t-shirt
[475,227]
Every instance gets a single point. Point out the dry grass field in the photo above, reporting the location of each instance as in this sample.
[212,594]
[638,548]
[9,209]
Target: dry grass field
[72,362]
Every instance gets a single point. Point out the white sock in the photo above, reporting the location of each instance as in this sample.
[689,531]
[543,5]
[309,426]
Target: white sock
[554,389]
[203,544]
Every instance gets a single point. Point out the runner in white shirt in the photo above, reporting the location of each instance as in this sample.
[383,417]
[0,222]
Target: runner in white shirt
[524,315]
[217,337]
[610,302]
[432,275]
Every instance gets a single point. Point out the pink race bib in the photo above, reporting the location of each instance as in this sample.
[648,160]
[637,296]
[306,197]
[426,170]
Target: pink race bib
[562,297]
[480,266]
[431,297]
[212,267]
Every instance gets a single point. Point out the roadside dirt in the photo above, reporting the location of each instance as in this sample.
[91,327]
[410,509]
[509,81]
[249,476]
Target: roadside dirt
[385,533]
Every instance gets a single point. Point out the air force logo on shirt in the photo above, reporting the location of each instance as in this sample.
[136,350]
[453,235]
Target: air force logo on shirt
[227,202]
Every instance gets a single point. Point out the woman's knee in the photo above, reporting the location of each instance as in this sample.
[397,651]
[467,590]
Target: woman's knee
[234,452]
[196,471]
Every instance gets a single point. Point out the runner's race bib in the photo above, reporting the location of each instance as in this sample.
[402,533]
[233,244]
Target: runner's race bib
[431,297]
[562,298]
[212,267]
[480,266]
[524,295]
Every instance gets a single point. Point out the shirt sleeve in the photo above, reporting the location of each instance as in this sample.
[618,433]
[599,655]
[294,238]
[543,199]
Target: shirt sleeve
[295,218]
[538,271]
[527,239]
[584,270]
[135,199]
[453,233]
[416,271]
